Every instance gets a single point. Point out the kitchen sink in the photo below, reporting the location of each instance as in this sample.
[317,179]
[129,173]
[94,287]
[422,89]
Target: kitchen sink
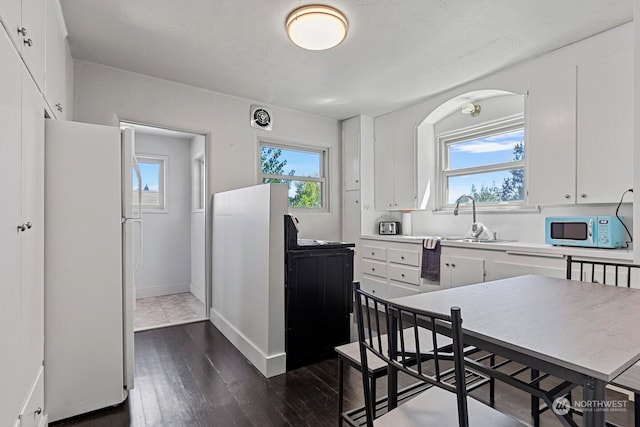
[474,240]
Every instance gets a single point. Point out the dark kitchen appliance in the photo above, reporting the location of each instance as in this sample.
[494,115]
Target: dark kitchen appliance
[318,301]
[389,227]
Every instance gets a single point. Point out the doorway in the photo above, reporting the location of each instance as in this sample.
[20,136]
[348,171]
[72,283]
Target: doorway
[170,279]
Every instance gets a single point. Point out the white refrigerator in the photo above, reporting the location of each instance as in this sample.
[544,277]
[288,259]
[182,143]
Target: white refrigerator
[89,266]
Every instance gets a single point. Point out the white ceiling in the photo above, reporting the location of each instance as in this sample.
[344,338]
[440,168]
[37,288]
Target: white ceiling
[396,52]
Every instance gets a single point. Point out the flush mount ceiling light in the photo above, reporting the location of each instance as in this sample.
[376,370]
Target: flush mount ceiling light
[317,27]
[471,109]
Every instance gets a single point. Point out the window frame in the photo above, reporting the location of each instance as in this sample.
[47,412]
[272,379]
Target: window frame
[493,127]
[323,152]
[163,161]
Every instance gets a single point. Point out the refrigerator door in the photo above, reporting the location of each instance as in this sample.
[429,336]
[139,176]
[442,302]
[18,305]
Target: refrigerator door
[83,268]
[129,168]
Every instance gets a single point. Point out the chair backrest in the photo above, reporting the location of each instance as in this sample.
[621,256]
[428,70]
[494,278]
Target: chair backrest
[604,272]
[439,361]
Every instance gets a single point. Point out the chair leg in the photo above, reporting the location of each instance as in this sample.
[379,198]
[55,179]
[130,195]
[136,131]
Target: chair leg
[373,395]
[535,402]
[636,409]
[340,389]
[492,382]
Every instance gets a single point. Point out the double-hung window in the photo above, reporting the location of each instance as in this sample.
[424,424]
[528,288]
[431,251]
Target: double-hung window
[303,169]
[485,162]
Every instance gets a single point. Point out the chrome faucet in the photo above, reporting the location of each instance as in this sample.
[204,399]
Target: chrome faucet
[476,229]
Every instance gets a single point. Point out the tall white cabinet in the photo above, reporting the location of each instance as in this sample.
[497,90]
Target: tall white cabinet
[23,103]
[357,179]
[21,243]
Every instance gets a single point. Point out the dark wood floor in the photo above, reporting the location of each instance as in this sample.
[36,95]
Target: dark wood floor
[190,375]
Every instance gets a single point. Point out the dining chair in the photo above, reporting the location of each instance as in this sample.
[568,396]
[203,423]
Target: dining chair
[437,362]
[615,274]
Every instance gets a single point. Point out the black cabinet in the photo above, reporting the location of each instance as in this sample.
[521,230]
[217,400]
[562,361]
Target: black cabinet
[318,288]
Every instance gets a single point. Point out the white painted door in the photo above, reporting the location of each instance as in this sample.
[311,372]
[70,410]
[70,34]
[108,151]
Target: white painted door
[383,169]
[351,225]
[32,239]
[11,394]
[11,12]
[550,142]
[404,166]
[605,128]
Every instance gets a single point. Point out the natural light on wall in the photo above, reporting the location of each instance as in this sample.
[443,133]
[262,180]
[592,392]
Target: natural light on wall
[317,27]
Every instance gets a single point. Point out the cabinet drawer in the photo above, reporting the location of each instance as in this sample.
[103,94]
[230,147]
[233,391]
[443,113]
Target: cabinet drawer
[405,274]
[395,291]
[403,256]
[374,286]
[33,410]
[375,268]
[374,252]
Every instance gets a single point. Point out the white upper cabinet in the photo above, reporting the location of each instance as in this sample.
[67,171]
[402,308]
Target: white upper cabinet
[551,138]
[605,128]
[351,154]
[56,63]
[25,23]
[394,169]
[580,133]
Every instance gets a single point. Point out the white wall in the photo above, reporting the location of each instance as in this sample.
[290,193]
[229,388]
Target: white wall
[198,233]
[520,226]
[248,273]
[166,262]
[102,93]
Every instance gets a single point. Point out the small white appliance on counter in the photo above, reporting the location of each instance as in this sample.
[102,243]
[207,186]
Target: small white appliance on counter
[89,271]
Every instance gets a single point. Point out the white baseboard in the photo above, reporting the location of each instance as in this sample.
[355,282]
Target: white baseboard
[159,290]
[197,291]
[269,366]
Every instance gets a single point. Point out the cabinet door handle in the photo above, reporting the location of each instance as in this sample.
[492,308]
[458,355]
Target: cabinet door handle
[583,195]
[29,225]
[453,265]
[373,269]
[59,108]
[446,264]
[22,227]
[401,256]
[22,31]
[401,274]
[567,196]
[38,411]
[373,253]
[28,42]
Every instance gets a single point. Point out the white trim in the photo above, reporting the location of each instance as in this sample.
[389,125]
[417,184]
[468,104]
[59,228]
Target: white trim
[268,365]
[160,290]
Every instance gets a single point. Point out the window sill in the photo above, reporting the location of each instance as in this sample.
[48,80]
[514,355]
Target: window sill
[489,209]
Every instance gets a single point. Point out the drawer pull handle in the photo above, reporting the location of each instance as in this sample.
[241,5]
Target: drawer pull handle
[373,253]
[401,256]
[373,269]
[447,264]
[453,265]
[402,274]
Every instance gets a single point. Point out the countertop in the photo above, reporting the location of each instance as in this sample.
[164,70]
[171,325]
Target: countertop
[517,246]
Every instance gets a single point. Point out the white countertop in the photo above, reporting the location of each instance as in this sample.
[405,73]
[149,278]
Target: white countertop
[527,247]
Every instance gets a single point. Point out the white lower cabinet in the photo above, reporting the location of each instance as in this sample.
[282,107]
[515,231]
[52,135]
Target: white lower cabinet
[510,264]
[459,267]
[392,269]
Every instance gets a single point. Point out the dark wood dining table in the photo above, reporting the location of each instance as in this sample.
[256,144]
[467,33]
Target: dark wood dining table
[584,333]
